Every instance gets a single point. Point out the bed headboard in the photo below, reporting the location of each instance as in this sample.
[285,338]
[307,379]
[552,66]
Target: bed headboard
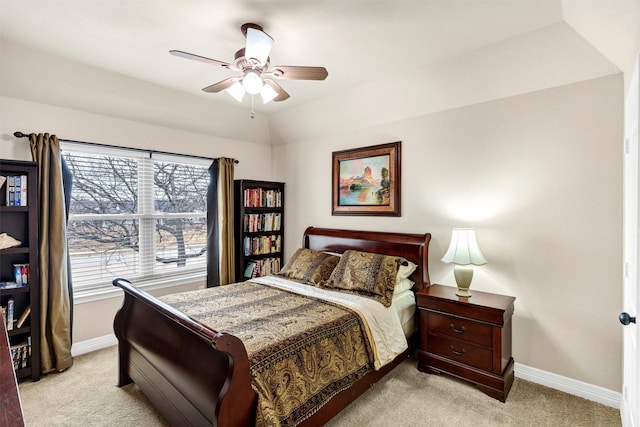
[413,247]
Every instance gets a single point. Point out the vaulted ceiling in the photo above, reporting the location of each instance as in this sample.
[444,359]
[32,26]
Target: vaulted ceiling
[360,43]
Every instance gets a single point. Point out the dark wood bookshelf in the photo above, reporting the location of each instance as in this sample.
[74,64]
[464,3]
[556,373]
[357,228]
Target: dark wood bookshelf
[259,212]
[21,223]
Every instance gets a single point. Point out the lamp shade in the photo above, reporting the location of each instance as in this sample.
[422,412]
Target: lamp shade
[252,82]
[268,93]
[464,249]
[258,45]
[236,90]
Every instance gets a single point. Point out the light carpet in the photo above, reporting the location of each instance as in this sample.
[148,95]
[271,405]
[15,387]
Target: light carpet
[87,395]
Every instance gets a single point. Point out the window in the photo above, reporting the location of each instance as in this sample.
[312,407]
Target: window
[136,215]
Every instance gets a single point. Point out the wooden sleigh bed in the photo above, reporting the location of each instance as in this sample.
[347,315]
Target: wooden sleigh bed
[212,386]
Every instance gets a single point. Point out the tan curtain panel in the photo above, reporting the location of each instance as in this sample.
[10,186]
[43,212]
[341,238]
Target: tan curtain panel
[220,224]
[225,219]
[55,331]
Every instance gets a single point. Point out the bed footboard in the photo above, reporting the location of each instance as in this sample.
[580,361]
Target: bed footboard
[192,374]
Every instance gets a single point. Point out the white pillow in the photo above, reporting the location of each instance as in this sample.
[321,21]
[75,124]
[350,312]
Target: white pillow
[402,278]
[403,294]
[332,253]
[402,285]
[404,271]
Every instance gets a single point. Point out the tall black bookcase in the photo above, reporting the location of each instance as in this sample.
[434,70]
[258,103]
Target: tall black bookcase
[259,227]
[19,219]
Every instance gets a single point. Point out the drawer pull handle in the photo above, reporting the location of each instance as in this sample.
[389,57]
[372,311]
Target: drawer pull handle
[457,331]
[454,351]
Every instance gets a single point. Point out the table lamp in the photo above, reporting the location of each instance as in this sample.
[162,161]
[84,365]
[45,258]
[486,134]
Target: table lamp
[464,252]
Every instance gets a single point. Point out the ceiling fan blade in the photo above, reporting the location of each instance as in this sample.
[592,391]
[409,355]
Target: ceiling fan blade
[187,55]
[298,73]
[221,85]
[282,94]
[258,45]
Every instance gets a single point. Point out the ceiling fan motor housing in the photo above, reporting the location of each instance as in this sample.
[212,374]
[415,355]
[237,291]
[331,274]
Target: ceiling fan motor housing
[248,25]
[243,64]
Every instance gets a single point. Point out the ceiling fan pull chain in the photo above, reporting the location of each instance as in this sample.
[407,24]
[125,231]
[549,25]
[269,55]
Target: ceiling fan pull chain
[252,113]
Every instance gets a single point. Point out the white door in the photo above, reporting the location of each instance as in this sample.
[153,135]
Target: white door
[630,405]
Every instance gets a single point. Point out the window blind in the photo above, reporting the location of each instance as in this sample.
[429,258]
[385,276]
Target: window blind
[135,215]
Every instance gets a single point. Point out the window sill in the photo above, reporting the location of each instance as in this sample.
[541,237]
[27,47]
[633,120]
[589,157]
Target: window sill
[90,295]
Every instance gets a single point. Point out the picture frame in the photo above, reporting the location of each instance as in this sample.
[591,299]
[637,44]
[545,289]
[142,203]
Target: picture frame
[366,181]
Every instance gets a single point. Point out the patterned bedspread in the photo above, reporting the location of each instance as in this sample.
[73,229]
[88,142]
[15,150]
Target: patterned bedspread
[302,350]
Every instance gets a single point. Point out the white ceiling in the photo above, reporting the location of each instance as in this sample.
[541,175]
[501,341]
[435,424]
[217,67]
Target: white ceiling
[387,59]
[357,41]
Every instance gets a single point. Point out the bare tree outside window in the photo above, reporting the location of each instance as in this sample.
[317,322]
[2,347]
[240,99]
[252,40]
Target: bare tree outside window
[110,221]
[180,189]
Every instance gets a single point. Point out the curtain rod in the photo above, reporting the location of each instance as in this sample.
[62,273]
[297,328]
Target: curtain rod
[19,134]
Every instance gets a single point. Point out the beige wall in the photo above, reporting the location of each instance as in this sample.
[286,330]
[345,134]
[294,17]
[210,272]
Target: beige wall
[95,319]
[611,28]
[539,176]
[26,116]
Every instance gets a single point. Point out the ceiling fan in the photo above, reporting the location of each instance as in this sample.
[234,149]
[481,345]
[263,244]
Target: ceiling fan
[256,74]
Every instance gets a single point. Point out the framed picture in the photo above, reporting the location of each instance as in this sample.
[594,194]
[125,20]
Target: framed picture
[366,181]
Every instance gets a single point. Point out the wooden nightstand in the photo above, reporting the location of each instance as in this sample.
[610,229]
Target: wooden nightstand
[469,338]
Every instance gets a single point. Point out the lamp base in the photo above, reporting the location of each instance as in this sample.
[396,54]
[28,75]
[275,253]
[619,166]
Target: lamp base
[463,275]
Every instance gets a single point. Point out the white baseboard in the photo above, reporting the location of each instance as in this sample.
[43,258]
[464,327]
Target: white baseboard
[93,344]
[568,385]
[538,376]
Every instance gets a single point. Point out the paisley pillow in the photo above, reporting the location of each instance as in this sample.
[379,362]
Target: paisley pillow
[366,274]
[309,266]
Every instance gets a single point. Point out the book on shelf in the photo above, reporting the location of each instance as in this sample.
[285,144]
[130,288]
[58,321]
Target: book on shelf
[11,187]
[9,285]
[16,191]
[23,317]
[261,245]
[21,273]
[21,354]
[249,270]
[255,223]
[23,190]
[261,198]
[270,266]
[262,267]
[10,313]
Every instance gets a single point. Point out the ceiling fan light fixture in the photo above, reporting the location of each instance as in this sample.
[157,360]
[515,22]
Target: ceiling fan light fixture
[268,94]
[258,45]
[252,82]
[237,91]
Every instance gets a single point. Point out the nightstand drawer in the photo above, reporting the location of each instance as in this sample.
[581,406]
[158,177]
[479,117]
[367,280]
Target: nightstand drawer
[469,338]
[459,328]
[466,353]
